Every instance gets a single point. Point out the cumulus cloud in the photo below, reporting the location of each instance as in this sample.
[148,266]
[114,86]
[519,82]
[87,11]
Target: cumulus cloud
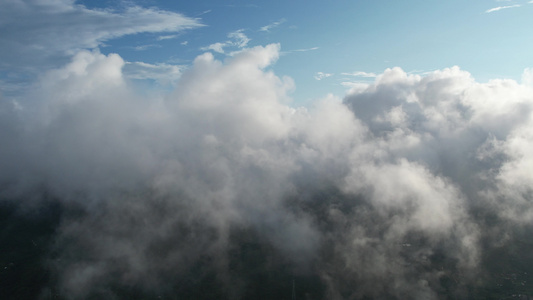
[399,190]
[450,107]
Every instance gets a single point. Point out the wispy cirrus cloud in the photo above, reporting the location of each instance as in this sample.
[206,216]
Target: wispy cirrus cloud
[300,50]
[41,35]
[204,12]
[360,74]
[146,47]
[304,49]
[501,7]
[237,39]
[322,75]
[270,26]
[360,80]
[217,47]
[35,31]
[167,37]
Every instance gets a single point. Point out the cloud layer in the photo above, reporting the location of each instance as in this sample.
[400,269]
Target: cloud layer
[382,194]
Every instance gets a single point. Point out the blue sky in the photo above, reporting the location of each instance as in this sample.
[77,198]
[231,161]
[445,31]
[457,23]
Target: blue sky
[354,36]
[326,41]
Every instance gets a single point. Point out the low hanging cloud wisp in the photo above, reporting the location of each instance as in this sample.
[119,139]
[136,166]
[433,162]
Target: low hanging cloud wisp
[381,194]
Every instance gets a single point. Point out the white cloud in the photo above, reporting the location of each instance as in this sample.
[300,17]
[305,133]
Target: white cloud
[146,47]
[322,75]
[238,40]
[304,49]
[360,84]
[167,37]
[272,25]
[527,77]
[360,74]
[204,12]
[501,7]
[449,108]
[217,47]
[39,35]
[355,86]
[36,31]
[160,183]
[299,50]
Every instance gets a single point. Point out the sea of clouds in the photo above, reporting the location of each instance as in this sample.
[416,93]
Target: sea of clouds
[385,193]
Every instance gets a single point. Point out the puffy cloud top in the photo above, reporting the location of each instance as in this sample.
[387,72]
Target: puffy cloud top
[378,194]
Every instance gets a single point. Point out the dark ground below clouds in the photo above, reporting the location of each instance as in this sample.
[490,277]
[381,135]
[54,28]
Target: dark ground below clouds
[27,243]
[27,240]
